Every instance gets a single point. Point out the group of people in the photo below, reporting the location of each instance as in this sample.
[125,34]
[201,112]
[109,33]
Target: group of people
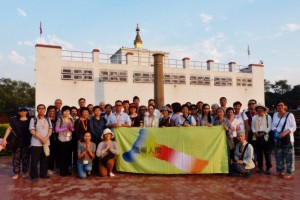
[82,138]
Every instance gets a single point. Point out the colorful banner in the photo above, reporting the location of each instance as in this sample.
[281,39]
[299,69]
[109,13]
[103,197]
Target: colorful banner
[175,150]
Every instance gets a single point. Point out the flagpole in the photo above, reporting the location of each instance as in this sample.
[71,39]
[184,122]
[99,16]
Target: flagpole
[248,55]
[41,31]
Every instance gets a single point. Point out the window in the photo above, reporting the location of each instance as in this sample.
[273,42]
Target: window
[199,80]
[77,71]
[113,76]
[66,71]
[88,78]
[66,77]
[76,77]
[88,71]
[244,82]
[77,74]
[223,81]
[143,77]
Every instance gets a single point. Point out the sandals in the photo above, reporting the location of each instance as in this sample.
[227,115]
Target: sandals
[287,176]
[15,177]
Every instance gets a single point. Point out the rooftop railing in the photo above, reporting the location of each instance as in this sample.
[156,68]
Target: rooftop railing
[148,61]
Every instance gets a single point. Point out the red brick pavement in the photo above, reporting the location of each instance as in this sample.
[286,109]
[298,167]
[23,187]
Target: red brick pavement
[136,186]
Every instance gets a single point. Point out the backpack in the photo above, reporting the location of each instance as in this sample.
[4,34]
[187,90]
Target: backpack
[35,121]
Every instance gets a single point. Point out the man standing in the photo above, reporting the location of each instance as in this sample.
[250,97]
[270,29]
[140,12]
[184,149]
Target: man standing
[223,102]
[199,110]
[136,101]
[102,106]
[57,104]
[97,126]
[40,127]
[238,115]
[248,119]
[81,103]
[261,126]
[126,106]
[118,118]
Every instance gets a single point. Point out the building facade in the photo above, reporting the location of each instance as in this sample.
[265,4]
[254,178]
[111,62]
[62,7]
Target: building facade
[97,76]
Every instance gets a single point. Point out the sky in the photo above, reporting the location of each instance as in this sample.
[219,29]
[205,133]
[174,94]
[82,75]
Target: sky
[201,30]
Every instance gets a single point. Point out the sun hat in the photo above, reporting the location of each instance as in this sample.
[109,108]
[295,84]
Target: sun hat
[106,131]
[260,105]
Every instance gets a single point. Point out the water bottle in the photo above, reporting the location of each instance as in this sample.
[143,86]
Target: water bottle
[276,136]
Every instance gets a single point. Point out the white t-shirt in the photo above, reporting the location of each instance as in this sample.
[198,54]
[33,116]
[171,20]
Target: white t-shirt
[290,124]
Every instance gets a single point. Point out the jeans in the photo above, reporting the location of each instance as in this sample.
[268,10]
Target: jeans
[285,154]
[83,169]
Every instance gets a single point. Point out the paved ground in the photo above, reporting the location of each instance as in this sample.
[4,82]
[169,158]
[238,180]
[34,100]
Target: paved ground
[135,186]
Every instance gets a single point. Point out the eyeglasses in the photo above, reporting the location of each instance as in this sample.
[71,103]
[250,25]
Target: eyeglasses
[119,105]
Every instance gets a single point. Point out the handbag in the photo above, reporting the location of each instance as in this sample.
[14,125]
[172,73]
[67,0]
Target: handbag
[107,157]
[287,138]
[12,142]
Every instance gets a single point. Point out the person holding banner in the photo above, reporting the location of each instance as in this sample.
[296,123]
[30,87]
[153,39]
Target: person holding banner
[206,118]
[185,119]
[243,157]
[164,121]
[107,151]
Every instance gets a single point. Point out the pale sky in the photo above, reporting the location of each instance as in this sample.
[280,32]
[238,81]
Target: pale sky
[201,30]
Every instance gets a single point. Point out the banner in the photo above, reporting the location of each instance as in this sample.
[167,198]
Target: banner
[174,150]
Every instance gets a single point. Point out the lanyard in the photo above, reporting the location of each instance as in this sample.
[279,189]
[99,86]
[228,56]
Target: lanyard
[84,124]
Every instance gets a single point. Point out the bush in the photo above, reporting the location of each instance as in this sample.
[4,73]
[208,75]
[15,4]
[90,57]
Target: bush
[3,128]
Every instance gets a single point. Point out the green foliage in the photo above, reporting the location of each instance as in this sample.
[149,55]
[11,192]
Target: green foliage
[268,85]
[282,91]
[15,93]
[281,87]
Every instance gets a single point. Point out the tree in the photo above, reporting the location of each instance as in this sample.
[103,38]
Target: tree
[15,93]
[281,87]
[268,85]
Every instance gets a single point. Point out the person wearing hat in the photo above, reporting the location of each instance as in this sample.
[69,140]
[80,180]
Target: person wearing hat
[134,117]
[261,126]
[164,121]
[21,154]
[243,157]
[107,151]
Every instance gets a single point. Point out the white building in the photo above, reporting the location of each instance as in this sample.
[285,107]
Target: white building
[97,76]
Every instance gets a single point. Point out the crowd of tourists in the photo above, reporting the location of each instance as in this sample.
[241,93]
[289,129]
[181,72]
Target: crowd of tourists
[70,140]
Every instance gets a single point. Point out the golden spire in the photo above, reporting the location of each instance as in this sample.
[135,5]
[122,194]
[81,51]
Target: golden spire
[138,41]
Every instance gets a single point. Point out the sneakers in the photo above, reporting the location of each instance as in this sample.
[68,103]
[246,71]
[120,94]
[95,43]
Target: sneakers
[111,175]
